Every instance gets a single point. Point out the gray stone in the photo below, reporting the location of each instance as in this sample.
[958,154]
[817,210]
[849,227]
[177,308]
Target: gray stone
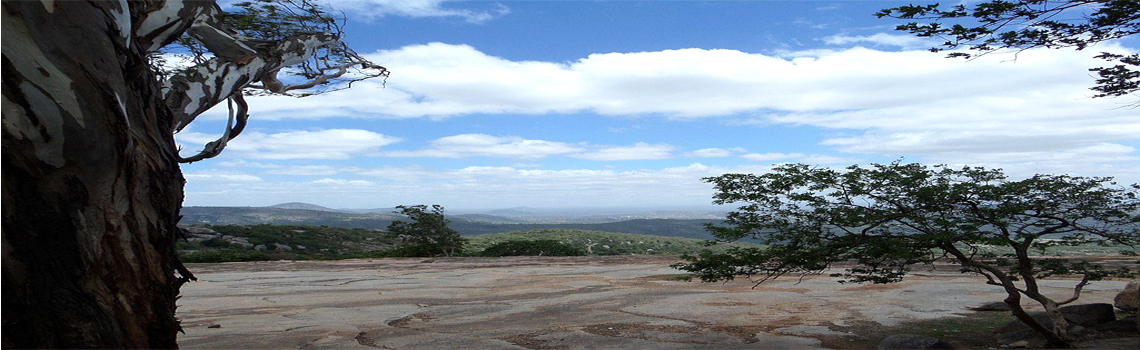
[1128,343]
[1016,325]
[992,306]
[1121,325]
[260,247]
[913,341]
[284,248]
[1089,315]
[243,245]
[1028,336]
[1129,298]
[198,230]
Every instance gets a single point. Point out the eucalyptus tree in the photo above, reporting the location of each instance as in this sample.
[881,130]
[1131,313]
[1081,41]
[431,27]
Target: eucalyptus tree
[885,219]
[91,184]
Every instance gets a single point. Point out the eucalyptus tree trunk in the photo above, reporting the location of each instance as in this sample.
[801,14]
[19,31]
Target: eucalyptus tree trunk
[91,184]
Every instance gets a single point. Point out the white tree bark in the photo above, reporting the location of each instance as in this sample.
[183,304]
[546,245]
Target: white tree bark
[91,182]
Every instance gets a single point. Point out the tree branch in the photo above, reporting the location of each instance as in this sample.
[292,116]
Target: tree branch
[234,127]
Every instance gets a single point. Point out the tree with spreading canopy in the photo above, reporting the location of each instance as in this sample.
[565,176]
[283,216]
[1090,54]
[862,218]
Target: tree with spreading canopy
[91,185]
[885,219]
[995,25]
[427,233]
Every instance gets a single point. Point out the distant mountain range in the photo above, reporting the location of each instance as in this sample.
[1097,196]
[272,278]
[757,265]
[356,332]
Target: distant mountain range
[466,224]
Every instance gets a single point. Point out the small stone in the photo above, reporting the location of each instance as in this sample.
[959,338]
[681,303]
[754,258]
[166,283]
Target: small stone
[1019,344]
[214,326]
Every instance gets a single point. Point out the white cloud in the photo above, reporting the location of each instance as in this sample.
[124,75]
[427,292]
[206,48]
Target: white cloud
[904,103]
[344,182]
[373,9]
[227,178]
[481,145]
[319,144]
[885,39]
[482,187]
[443,80]
[638,151]
[304,170]
[817,159]
[823,159]
[709,153]
[761,157]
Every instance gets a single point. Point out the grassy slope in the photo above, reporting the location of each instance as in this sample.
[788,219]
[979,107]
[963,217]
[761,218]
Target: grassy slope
[315,242]
[603,243]
[467,225]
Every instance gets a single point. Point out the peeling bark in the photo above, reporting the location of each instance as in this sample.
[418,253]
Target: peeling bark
[196,90]
[91,184]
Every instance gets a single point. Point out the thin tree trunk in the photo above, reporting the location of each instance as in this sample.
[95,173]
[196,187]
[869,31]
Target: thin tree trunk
[91,186]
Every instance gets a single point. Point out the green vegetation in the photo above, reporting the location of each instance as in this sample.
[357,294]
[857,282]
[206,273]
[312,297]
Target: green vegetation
[606,243]
[231,255]
[974,331]
[230,243]
[1014,25]
[427,233]
[541,247]
[280,242]
[887,218]
[467,225]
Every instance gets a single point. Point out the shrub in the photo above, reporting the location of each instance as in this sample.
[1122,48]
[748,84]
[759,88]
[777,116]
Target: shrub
[216,256]
[545,247]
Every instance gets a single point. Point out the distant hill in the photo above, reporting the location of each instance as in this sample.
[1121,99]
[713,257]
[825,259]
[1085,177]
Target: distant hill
[222,243]
[516,211]
[467,224]
[304,206]
[491,219]
[278,216]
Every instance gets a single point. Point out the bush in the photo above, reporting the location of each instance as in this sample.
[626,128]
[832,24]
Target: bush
[216,256]
[215,243]
[544,247]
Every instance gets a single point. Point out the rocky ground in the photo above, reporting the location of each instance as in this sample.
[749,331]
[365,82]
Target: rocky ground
[616,302]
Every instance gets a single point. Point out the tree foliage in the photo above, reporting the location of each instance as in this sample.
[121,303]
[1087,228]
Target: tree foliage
[887,218]
[283,47]
[994,25]
[427,233]
[541,247]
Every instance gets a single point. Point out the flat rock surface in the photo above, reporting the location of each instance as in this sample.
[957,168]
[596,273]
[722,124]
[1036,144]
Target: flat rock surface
[618,302]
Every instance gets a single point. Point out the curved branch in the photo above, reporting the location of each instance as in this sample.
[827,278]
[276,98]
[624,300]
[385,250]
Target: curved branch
[1076,291]
[234,127]
[270,82]
[192,92]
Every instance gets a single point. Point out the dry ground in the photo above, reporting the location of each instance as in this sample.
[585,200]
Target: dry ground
[619,302]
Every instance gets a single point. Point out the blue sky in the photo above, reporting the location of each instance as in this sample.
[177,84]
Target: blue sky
[495,104]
